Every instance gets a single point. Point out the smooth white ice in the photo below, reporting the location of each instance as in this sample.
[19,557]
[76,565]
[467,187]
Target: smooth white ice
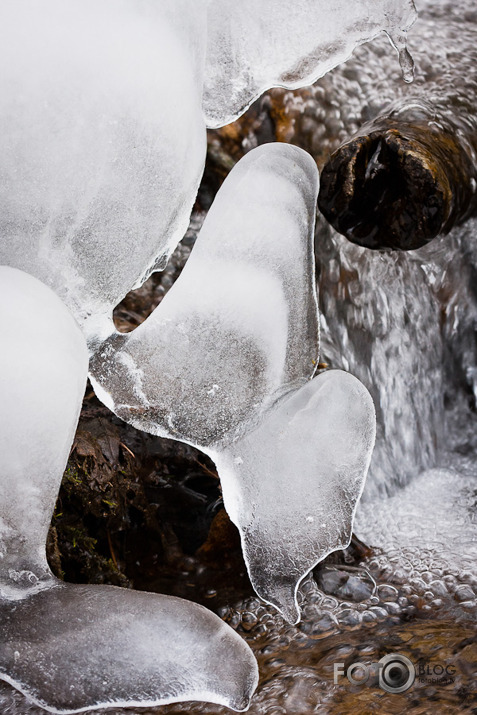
[102,142]
[239,327]
[43,367]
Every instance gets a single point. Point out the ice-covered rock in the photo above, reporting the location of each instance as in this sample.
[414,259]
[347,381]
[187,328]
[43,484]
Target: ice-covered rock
[257,44]
[67,647]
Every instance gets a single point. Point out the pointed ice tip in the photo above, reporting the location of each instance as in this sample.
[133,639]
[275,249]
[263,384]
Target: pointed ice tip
[240,704]
[290,612]
[283,598]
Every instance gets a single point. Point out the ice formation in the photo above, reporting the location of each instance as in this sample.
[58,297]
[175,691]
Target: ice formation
[102,145]
[43,363]
[226,366]
[240,326]
[254,45]
[102,132]
[73,647]
[292,484]
[102,142]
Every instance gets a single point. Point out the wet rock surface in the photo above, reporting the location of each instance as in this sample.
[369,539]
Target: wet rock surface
[407,177]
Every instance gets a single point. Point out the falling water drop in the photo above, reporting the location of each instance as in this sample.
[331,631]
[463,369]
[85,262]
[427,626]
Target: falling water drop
[398,41]
[407,65]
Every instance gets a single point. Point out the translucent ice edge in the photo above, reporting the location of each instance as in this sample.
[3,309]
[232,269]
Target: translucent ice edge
[292,485]
[76,648]
[272,43]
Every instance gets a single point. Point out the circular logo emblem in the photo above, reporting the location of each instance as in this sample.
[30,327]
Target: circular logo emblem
[397,673]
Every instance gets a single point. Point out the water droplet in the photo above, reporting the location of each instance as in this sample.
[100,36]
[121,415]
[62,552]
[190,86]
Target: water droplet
[407,65]
[398,40]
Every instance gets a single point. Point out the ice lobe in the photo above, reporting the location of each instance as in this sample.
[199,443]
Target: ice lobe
[291,486]
[239,327]
[43,366]
[102,142]
[71,648]
[74,648]
[225,363]
[257,44]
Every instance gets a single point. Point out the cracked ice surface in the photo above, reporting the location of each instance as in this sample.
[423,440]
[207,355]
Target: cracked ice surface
[227,367]
[72,647]
[257,44]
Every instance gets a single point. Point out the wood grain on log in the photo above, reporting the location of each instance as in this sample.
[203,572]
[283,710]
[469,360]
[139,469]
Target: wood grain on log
[405,178]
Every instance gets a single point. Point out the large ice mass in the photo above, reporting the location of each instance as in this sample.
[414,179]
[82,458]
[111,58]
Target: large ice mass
[102,142]
[102,133]
[215,355]
[74,648]
[229,372]
[71,647]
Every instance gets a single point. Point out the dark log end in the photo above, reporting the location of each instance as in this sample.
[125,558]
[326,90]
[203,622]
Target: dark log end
[388,189]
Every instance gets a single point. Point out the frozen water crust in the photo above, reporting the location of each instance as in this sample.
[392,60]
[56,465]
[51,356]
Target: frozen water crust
[71,648]
[227,366]
[254,45]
